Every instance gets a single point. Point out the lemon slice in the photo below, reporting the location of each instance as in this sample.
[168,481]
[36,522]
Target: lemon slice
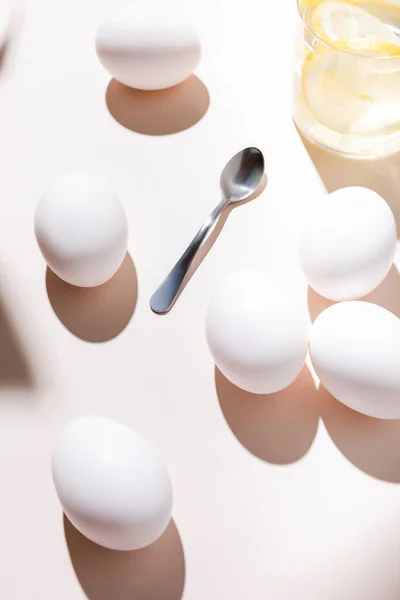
[350,99]
[349,27]
[387,11]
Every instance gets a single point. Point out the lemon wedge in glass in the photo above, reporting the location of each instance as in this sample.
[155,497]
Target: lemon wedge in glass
[353,90]
[353,29]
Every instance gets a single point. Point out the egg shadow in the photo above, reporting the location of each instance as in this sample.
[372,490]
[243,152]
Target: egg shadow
[380,174]
[96,314]
[160,112]
[316,303]
[277,428]
[372,445]
[387,295]
[153,573]
[214,235]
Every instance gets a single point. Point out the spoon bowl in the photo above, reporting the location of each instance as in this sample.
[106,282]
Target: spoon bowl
[242,175]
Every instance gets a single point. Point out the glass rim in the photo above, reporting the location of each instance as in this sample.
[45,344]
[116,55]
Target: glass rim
[341,50]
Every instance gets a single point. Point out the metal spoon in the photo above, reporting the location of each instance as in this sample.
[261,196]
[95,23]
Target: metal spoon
[239,181]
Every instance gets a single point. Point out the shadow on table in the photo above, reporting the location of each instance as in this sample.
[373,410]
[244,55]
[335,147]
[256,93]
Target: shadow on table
[280,428]
[153,573]
[96,314]
[277,428]
[387,295]
[160,112]
[379,174]
[4,50]
[8,48]
[372,445]
[15,368]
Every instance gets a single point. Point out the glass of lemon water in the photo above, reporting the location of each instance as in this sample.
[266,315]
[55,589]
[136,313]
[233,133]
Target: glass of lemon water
[347,75]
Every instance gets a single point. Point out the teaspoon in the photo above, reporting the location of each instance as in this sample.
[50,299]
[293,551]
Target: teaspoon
[240,179]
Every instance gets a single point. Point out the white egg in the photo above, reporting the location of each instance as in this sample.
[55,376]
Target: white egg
[349,244]
[111,484]
[82,229]
[148,46]
[355,351]
[257,336]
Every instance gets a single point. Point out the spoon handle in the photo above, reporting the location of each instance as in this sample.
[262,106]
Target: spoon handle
[166,295]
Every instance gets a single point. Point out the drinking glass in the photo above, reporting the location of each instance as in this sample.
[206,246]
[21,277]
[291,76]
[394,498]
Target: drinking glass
[346,91]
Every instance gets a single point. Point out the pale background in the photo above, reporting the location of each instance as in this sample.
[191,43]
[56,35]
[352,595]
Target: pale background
[290,497]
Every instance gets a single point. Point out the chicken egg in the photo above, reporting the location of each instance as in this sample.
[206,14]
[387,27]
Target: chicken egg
[82,229]
[348,246]
[111,484]
[257,336]
[355,351]
[148,46]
